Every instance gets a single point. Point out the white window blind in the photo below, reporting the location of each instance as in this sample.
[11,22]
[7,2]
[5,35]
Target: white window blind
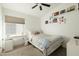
[17,20]
[14,25]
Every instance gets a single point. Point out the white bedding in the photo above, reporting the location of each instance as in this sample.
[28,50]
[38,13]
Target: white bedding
[43,41]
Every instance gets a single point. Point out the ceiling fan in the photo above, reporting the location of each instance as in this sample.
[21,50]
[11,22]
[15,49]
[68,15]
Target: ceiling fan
[40,5]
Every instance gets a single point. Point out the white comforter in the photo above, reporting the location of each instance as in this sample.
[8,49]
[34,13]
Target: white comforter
[43,41]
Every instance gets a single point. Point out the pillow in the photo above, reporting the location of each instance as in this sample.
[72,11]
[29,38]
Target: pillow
[36,33]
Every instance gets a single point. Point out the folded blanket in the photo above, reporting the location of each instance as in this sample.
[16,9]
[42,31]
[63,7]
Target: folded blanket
[42,43]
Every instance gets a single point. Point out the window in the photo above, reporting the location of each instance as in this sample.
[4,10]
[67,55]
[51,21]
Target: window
[14,25]
[14,29]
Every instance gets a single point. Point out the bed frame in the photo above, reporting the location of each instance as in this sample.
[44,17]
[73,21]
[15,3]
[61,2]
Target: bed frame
[49,50]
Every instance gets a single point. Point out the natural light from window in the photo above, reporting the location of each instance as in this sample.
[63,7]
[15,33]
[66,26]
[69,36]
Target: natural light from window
[14,29]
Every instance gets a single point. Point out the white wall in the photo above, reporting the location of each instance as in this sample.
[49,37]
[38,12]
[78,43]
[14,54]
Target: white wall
[1,22]
[33,23]
[68,29]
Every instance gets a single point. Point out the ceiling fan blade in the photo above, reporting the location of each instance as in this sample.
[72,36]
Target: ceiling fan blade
[45,4]
[40,7]
[34,6]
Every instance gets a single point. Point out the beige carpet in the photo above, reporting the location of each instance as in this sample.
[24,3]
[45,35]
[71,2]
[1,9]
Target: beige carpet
[23,51]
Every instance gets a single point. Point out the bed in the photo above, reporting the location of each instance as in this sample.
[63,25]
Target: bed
[46,43]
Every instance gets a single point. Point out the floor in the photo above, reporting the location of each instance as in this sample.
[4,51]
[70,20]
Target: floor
[32,51]
[59,52]
[23,51]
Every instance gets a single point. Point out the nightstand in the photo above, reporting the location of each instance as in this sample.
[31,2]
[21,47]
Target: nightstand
[26,40]
[8,45]
[0,49]
[26,43]
[73,47]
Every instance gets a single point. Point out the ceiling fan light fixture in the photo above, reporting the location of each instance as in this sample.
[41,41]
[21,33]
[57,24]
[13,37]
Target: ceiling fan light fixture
[40,5]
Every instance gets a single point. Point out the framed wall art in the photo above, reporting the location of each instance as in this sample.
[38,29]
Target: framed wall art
[61,20]
[55,20]
[56,13]
[46,22]
[51,18]
[62,11]
[72,8]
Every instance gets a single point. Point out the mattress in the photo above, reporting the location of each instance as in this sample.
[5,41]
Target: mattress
[50,38]
[53,46]
[54,40]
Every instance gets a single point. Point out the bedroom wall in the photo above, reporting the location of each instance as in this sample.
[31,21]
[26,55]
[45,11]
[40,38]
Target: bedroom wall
[68,29]
[33,23]
[1,22]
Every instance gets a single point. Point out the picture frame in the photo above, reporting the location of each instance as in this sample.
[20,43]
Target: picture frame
[61,20]
[46,22]
[62,11]
[56,13]
[72,8]
[51,18]
[55,20]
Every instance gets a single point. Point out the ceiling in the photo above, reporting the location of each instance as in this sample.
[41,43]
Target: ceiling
[27,8]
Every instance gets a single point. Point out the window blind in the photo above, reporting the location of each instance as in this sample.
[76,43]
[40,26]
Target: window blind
[11,19]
